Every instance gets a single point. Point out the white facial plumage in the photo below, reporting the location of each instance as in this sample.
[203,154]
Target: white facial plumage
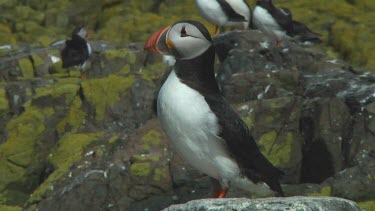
[82,33]
[187,40]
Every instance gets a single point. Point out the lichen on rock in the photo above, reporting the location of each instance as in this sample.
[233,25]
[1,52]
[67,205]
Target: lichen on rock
[69,150]
[4,104]
[105,92]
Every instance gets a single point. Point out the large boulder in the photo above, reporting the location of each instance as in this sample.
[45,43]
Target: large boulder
[282,204]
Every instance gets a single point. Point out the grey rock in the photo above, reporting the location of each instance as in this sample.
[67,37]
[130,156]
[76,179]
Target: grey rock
[270,204]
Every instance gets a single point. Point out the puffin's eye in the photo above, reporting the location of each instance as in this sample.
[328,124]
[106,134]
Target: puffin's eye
[183,32]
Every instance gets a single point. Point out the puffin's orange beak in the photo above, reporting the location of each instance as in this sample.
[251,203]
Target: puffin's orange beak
[158,43]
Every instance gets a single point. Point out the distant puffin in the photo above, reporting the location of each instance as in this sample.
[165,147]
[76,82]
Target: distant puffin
[278,23]
[225,12]
[201,125]
[76,51]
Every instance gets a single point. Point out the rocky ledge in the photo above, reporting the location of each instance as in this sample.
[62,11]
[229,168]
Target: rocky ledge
[268,204]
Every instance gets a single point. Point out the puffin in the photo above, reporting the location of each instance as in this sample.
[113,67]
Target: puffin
[279,24]
[225,12]
[202,127]
[76,51]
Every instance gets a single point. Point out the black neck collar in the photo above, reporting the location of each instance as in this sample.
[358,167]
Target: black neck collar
[198,73]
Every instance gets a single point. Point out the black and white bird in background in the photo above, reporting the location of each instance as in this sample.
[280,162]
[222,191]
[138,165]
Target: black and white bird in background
[203,128]
[225,12]
[76,51]
[278,24]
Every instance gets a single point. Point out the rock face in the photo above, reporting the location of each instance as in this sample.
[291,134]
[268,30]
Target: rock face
[348,31]
[281,204]
[67,144]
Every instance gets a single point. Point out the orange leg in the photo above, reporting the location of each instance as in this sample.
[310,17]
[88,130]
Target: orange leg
[220,193]
[278,43]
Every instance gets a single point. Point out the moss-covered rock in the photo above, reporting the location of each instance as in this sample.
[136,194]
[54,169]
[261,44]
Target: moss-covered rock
[10,208]
[73,119]
[275,124]
[27,67]
[352,32]
[4,104]
[19,155]
[325,191]
[105,92]
[67,152]
[140,169]
[367,205]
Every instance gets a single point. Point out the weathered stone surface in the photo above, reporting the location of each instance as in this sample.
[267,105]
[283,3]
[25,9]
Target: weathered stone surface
[275,125]
[45,111]
[335,97]
[282,204]
[128,172]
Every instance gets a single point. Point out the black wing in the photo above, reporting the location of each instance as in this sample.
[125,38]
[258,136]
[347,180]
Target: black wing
[283,17]
[242,146]
[74,53]
[228,10]
[304,33]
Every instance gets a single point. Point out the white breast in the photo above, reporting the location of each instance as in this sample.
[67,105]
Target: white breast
[264,21]
[211,11]
[89,48]
[193,127]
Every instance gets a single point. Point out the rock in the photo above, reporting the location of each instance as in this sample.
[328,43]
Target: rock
[333,94]
[42,107]
[356,183]
[129,172]
[282,204]
[324,125]
[275,125]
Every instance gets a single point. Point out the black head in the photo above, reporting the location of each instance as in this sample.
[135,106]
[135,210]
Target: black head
[184,40]
[264,3]
[80,31]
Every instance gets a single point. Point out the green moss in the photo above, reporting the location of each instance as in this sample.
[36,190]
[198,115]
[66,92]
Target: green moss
[160,173]
[113,139]
[68,89]
[140,169]
[352,33]
[152,138]
[4,104]
[268,119]
[19,155]
[66,153]
[26,67]
[23,133]
[278,153]
[367,205]
[45,40]
[10,208]
[325,191]
[28,92]
[249,121]
[6,35]
[153,71]
[105,92]
[146,158]
[125,69]
[113,54]
[74,118]
[38,61]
